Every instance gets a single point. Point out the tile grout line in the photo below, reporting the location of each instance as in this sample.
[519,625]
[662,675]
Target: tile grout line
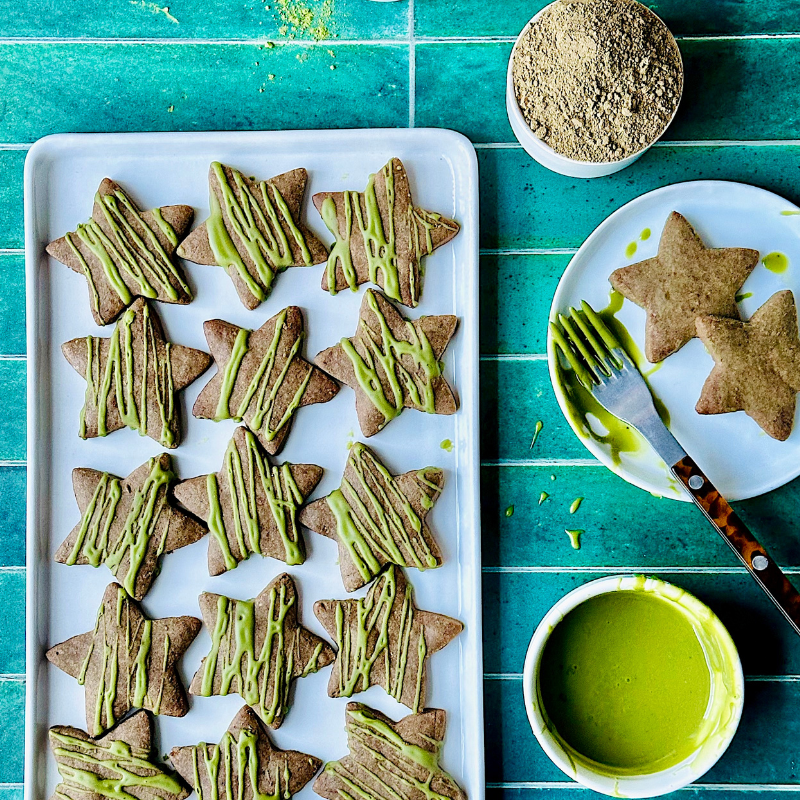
[543,462]
[12,677]
[518,676]
[709,787]
[10,462]
[412,67]
[614,570]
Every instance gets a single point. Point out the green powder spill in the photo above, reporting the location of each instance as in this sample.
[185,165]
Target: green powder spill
[536,431]
[306,20]
[576,504]
[447,445]
[510,511]
[154,8]
[574,538]
[542,497]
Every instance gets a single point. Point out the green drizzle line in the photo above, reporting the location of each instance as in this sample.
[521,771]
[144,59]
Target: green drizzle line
[282,494]
[123,365]
[134,249]
[386,525]
[93,540]
[241,765]
[363,635]
[258,226]
[393,769]
[130,669]
[262,391]
[129,768]
[382,360]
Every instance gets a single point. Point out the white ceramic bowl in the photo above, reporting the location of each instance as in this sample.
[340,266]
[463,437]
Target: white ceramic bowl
[545,154]
[723,713]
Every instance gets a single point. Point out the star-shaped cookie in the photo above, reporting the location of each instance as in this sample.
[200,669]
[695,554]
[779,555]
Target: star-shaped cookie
[258,647]
[384,640]
[381,236]
[250,505]
[390,760]
[127,661]
[262,379]
[756,365]
[684,281]
[126,253]
[245,765]
[254,230]
[127,523]
[133,378]
[119,764]
[378,518]
[392,363]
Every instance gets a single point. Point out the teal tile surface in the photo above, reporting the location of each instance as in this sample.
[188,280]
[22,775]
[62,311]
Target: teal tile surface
[12,731]
[12,421]
[574,791]
[169,87]
[12,624]
[10,792]
[12,163]
[12,305]
[12,516]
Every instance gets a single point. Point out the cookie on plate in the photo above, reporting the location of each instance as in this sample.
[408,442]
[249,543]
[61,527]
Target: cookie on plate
[392,363]
[390,760]
[262,379]
[381,236]
[133,378]
[684,281]
[258,647]
[384,640]
[127,523]
[126,253]
[250,505]
[118,764]
[378,518]
[254,231]
[245,765]
[127,661]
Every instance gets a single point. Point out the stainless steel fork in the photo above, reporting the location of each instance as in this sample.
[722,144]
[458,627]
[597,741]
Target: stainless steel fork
[604,368]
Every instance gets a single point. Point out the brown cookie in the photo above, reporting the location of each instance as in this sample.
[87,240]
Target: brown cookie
[126,253]
[684,281]
[390,760]
[384,640]
[133,378]
[262,379]
[756,365]
[254,230]
[378,518]
[127,523]
[119,764]
[381,236]
[258,648]
[127,661]
[245,765]
[250,505]
[392,363]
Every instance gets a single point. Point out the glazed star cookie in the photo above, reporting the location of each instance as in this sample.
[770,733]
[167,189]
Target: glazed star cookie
[381,236]
[262,379]
[133,378]
[127,523]
[250,505]
[390,760]
[119,764]
[384,640]
[258,647]
[254,231]
[684,281]
[378,518]
[126,253]
[245,765]
[127,661]
[756,365]
[392,363]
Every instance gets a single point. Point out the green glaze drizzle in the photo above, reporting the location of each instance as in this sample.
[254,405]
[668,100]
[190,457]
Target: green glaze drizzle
[645,234]
[385,526]
[744,296]
[775,262]
[790,213]
[446,445]
[536,431]
[243,481]
[576,504]
[542,497]
[630,250]
[510,511]
[574,538]
[144,516]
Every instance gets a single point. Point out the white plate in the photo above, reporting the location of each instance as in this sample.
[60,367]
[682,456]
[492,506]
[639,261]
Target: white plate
[738,457]
[61,176]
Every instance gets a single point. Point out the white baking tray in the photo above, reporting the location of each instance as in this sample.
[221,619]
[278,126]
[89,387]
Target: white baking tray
[62,174]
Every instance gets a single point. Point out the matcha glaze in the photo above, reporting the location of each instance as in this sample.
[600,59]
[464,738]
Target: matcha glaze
[625,682]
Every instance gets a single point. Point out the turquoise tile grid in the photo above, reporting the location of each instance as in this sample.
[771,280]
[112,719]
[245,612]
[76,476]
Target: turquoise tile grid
[105,65]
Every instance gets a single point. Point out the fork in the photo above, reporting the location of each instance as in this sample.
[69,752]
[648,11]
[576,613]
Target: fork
[603,367]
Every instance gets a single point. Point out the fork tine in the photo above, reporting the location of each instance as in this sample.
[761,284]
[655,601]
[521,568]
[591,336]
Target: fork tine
[589,361]
[602,330]
[600,354]
[586,378]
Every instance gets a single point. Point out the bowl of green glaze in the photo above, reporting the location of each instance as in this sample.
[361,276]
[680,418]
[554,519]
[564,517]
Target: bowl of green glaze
[632,686]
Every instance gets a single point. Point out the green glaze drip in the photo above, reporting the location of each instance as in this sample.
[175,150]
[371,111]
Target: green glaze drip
[384,351]
[231,372]
[775,262]
[446,445]
[165,227]
[630,250]
[380,526]
[341,254]
[141,523]
[542,497]
[243,480]
[510,511]
[744,296]
[576,504]
[645,234]
[790,213]
[536,431]
[574,538]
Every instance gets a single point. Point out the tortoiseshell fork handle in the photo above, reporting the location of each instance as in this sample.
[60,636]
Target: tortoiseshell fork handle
[738,536]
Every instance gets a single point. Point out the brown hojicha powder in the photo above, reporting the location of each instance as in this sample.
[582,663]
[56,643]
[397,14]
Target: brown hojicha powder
[597,80]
